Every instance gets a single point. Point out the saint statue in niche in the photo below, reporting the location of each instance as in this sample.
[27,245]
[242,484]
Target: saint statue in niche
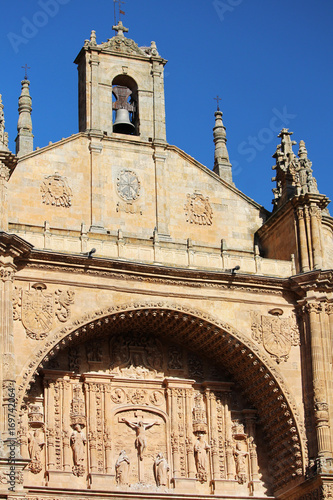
[161,469]
[78,441]
[201,448]
[240,460]
[122,468]
[35,445]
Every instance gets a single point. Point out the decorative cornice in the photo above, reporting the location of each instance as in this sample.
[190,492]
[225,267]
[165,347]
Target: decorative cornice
[317,280]
[14,246]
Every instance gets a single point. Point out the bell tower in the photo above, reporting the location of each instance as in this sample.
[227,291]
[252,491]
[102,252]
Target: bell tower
[121,88]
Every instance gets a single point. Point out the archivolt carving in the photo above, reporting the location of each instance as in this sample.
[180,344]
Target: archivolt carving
[252,370]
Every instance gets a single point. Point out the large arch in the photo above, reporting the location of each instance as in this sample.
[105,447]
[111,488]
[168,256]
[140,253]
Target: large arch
[249,367]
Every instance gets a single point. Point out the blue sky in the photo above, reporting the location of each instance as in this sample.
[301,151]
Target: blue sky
[269,61]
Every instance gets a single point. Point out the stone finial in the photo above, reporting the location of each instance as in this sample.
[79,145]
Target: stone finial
[24,139]
[222,165]
[120,29]
[3,134]
[93,38]
[308,183]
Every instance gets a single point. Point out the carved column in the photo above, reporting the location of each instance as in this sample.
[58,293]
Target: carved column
[92,436]
[308,232]
[229,448]
[315,218]
[214,434]
[250,429]
[50,423]
[159,107]
[66,398]
[7,273]
[189,434]
[107,427]
[319,382]
[172,396]
[302,240]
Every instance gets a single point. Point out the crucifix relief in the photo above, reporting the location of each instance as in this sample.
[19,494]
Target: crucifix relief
[140,425]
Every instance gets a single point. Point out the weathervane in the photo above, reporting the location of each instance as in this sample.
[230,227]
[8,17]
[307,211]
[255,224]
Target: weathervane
[26,67]
[218,99]
[121,12]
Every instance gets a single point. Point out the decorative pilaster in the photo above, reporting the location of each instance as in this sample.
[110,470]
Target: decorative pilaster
[162,209]
[315,218]
[222,165]
[189,434]
[94,94]
[50,431]
[321,408]
[172,396]
[107,427]
[302,238]
[66,397]
[24,139]
[159,105]
[92,433]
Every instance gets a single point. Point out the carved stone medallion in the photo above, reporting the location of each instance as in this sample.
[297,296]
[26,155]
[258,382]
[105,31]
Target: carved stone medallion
[56,191]
[128,185]
[198,210]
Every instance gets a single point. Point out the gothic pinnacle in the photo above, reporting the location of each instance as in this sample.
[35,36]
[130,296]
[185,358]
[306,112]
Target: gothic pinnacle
[222,165]
[24,139]
[3,134]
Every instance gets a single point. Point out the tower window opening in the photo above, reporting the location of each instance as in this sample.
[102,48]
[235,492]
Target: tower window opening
[124,106]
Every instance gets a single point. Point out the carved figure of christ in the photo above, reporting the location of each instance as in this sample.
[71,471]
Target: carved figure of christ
[140,428]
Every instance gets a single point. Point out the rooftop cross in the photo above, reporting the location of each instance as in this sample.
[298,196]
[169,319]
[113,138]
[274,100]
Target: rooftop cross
[26,67]
[120,29]
[218,99]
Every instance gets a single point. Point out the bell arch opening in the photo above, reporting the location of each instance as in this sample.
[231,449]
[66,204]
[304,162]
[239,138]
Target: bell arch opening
[227,415]
[125,105]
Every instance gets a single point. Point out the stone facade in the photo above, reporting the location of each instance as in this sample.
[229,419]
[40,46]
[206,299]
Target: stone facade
[161,333]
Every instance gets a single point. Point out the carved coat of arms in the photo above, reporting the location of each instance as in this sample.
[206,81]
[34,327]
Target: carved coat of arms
[37,311]
[276,334]
[198,210]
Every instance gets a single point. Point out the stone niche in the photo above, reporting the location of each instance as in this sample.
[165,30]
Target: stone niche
[130,413]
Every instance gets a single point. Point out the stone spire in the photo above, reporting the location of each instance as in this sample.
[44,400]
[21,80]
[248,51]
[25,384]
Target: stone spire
[222,165]
[308,183]
[3,134]
[24,139]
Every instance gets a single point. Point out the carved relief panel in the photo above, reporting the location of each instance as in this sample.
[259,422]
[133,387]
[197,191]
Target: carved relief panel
[132,412]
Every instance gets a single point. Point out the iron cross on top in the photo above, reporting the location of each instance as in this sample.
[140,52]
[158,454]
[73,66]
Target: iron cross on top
[218,99]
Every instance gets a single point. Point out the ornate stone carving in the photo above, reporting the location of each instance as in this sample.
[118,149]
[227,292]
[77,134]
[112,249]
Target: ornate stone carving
[36,309]
[198,210]
[35,445]
[240,461]
[74,359]
[128,185]
[122,469]
[175,358]
[64,299]
[6,273]
[123,45]
[94,352]
[128,208]
[276,334]
[56,191]
[140,428]
[161,469]
[78,442]
[201,448]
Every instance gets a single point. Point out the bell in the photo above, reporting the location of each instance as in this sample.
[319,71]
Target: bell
[122,123]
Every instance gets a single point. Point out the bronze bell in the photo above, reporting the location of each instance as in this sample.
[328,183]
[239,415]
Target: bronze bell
[122,123]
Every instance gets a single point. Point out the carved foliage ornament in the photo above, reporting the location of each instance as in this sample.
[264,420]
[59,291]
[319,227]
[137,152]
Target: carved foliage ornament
[56,191]
[276,334]
[198,210]
[37,309]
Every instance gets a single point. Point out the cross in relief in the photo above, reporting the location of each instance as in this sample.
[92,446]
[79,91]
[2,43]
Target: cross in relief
[140,425]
